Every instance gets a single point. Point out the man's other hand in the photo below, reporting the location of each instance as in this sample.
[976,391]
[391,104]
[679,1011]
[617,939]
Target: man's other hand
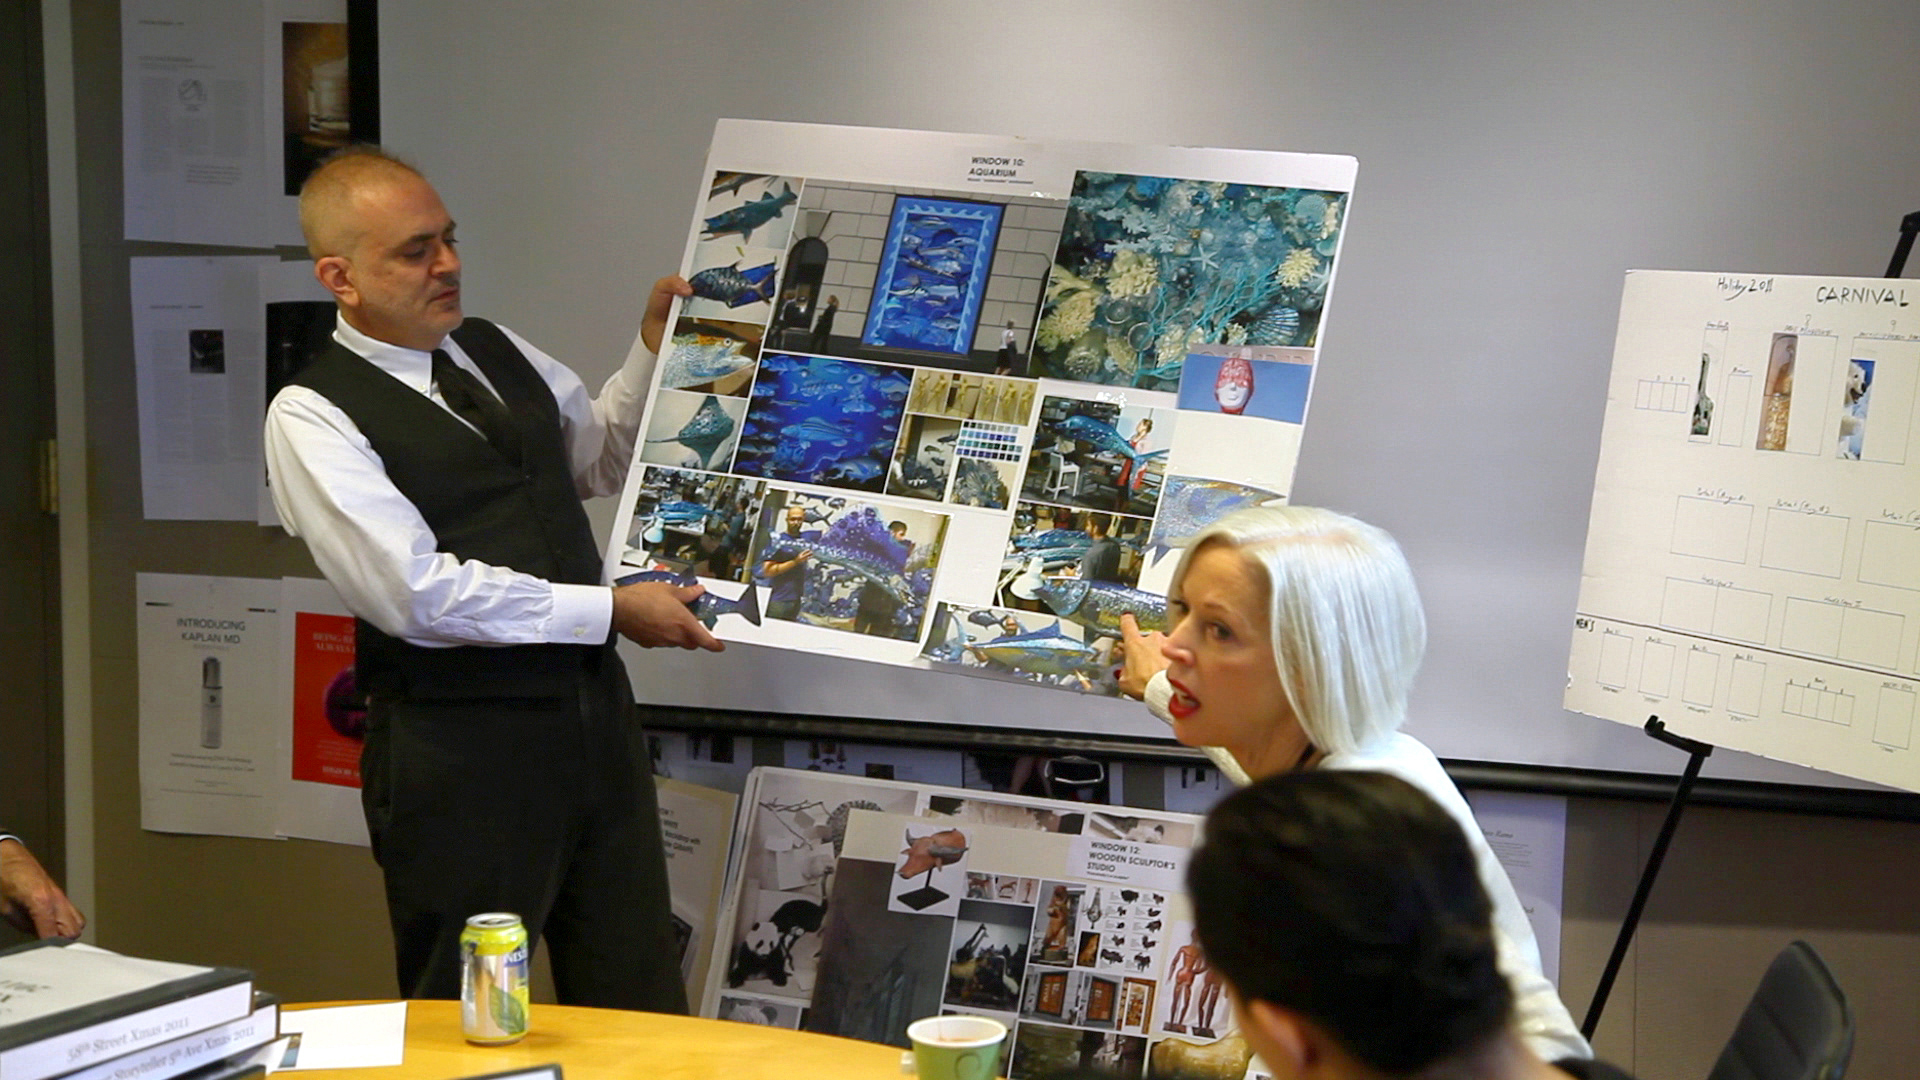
[655,614]
[654,324]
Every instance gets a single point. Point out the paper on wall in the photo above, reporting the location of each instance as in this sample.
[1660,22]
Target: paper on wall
[210,711]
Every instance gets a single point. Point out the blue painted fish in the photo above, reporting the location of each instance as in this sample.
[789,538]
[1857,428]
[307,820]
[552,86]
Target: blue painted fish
[733,286]
[746,217]
[817,430]
[681,512]
[709,605]
[1096,605]
[854,471]
[1051,538]
[705,432]
[1103,437]
[1047,651]
[1189,504]
[860,545]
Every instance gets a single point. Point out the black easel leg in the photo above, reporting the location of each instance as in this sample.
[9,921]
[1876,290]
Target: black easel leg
[1697,752]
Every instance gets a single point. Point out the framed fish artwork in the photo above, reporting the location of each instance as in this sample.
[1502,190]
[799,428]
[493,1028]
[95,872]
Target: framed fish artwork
[933,274]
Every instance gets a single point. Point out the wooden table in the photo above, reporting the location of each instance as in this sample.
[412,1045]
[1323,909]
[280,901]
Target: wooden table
[613,1044]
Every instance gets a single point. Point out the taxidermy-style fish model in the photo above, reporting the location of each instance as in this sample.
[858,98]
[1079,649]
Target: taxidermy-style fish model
[733,286]
[1103,437]
[1096,605]
[745,218]
[708,606]
[705,432]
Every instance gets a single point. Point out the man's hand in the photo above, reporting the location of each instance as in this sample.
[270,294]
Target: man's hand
[30,900]
[654,324]
[654,614]
[1141,656]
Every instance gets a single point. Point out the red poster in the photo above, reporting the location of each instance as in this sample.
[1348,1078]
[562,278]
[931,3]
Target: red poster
[329,718]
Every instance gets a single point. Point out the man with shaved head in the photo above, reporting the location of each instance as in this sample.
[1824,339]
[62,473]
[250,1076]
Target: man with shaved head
[435,465]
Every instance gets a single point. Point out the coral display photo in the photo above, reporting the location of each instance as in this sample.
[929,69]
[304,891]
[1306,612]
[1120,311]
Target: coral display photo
[1149,266]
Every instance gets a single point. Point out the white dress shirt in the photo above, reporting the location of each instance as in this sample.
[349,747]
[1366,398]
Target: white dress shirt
[378,552]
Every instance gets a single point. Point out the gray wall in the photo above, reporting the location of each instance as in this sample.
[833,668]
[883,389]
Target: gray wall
[1515,161]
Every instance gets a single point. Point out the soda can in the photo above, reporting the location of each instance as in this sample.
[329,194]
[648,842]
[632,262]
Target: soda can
[493,982]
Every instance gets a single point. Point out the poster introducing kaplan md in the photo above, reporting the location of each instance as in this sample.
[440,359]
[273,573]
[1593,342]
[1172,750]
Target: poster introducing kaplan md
[210,713]
[933,409]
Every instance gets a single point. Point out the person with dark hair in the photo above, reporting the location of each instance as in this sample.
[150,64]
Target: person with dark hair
[877,611]
[823,326]
[1345,912]
[1101,561]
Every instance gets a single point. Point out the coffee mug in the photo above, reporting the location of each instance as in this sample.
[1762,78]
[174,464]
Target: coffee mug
[954,1048]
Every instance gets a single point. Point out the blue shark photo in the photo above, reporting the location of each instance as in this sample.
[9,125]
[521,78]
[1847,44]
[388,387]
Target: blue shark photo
[818,420]
[767,211]
[933,275]
[1149,265]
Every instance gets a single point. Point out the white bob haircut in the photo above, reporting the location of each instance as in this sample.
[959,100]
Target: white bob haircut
[1344,614]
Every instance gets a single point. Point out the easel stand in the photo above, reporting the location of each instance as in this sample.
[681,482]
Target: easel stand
[1697,754]
[1909,226]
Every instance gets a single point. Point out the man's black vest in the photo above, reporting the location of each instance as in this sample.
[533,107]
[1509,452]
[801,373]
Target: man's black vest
[524,516]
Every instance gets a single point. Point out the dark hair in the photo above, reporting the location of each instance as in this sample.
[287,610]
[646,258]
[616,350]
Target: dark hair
[1353,899]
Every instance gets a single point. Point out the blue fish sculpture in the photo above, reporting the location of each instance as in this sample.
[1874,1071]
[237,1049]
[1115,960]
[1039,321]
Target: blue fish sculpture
[705,432]
[690,364]
[1188,504]
[860,545]
[1047,651]
[1096,605]
[733,286]
[746,217]
[708,606]
[1101,436]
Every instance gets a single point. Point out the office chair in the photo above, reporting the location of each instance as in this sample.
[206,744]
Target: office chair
[1797,1027]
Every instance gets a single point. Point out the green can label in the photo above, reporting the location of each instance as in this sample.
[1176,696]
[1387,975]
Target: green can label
[493,987]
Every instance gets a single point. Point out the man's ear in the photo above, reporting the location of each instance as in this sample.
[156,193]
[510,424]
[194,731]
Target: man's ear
[1281,1031]
[335,274]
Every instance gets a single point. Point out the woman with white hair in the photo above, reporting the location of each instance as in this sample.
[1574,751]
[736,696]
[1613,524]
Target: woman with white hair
[1296,638]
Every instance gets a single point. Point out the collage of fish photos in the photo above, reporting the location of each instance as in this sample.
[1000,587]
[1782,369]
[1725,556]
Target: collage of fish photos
[967,431]
[1018,909]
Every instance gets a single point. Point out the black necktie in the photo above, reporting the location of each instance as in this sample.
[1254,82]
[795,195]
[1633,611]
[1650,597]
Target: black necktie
[472,402]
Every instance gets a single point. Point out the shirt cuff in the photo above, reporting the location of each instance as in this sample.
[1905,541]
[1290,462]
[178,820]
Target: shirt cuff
[582,614]
[1158,693]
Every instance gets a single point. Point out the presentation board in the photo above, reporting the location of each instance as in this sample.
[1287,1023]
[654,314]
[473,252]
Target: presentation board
[955,402]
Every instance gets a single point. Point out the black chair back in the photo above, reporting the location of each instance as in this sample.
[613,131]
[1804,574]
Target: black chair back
[1797,1027]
